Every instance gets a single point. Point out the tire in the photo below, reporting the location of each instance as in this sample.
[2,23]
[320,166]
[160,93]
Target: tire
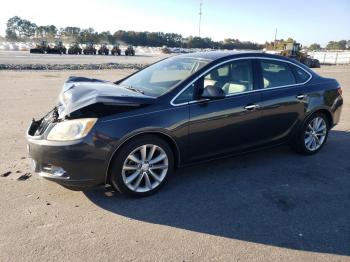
[303,143]
[308,62]
[316,63]
[144,179]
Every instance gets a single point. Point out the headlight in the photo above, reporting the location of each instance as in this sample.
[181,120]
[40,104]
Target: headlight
[71,129]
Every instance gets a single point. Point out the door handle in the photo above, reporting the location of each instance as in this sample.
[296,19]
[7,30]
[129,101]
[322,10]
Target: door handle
[301,96]
[251,107]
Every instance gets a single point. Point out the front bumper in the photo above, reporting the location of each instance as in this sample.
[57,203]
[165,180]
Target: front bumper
[78,164]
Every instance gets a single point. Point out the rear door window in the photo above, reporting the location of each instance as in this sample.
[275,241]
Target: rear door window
[276,74]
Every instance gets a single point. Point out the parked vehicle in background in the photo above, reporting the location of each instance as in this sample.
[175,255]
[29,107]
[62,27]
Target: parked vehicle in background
[103,50]
[75,49]
[116,50]
[89,49]
[188,108]
[293,50]
[165,50]
[59,48]
[40,48]
[129,51]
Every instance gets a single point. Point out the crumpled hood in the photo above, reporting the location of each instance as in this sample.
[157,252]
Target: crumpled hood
[80,92]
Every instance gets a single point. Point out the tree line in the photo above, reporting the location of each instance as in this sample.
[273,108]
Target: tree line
[332,45]
[19,29]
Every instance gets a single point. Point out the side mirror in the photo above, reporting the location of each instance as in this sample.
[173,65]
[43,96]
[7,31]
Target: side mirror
[212,92]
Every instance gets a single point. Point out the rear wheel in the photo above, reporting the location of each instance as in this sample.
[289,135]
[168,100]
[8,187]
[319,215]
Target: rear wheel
[142,166]
[313,135]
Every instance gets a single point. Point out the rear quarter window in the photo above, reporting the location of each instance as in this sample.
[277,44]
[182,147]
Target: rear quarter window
[300,74]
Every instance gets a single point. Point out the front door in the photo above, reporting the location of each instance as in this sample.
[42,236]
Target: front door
[228,124]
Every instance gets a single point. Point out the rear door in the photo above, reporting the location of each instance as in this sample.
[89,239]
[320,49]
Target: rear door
[283,98]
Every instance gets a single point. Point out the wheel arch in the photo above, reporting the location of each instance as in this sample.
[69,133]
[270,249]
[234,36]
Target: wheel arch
[324,111]
[159,133]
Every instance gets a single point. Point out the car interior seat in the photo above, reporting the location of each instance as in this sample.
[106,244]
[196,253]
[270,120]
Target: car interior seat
[240,79]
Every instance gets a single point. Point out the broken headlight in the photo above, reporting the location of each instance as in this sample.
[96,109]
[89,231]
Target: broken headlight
[71,129]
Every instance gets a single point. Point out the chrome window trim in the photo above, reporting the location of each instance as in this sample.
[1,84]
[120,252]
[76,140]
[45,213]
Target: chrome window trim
[234,94]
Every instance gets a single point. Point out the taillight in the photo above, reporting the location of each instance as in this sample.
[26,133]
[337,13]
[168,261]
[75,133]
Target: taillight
[340,91]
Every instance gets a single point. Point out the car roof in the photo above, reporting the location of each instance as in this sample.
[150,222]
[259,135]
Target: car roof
[215,55]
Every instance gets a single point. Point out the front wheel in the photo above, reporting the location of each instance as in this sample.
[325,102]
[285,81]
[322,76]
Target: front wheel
[313,135]
[142,166]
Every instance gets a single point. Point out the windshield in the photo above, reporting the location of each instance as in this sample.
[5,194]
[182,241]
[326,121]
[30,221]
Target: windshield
[159,78]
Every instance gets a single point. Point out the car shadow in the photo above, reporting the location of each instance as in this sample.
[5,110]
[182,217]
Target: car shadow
[272,197]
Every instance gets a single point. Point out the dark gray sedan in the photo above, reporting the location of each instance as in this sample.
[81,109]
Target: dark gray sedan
[133,133]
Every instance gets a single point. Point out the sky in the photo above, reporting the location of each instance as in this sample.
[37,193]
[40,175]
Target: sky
[307,21]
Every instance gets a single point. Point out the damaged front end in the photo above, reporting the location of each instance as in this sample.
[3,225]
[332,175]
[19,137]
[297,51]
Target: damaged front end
[83,97]
[38,127]
[62,144]
[86,97]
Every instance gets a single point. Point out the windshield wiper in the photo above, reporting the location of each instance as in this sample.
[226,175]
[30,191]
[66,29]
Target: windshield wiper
[133,89]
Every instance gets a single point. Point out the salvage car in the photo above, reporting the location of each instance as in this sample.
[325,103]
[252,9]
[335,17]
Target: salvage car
[134,132]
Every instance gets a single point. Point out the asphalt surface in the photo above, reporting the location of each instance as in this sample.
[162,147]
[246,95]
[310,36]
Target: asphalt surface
[272,205]
[24,57]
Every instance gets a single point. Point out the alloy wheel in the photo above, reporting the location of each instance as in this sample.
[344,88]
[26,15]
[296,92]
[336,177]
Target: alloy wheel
[145,168]
[315,134]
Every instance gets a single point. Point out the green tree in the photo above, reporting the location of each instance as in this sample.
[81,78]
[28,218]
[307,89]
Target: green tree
[88,36]
[314,46]
[12,28]
[334,45]
[70,33]
[20,29]
[106,37]
[27,29]
[11,34]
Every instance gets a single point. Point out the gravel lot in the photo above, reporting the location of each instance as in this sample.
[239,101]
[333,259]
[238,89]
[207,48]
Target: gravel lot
[24,57]
[273,205]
